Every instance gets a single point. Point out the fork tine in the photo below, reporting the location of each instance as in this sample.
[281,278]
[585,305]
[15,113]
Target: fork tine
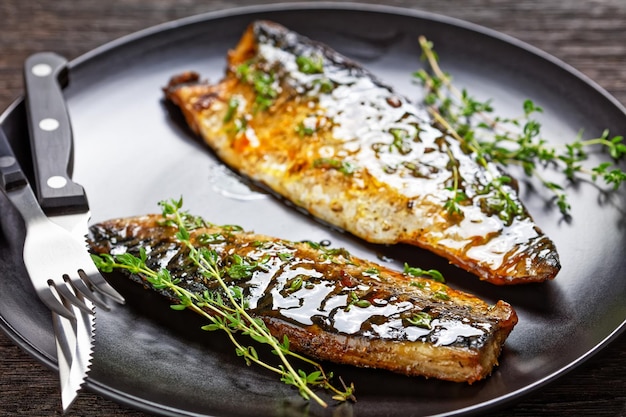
[54,303]
[81,288]
[64,291]
[99,284]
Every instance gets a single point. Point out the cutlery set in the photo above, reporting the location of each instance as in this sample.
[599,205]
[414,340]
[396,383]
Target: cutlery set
[56,218]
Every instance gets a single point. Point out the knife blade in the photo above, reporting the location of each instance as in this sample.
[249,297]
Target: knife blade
[83,330]
[63,201]
[71,334]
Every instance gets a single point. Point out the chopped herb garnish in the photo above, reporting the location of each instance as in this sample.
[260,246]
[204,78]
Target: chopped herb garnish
[310,64]
[285,256]
[243,71]
[441,295]
[211,238]
[419,272]
[303,129]
[264,84]
[325,85]
[314,245]
[400,141]
[295,284]
[233,104]
[354,300]
[372,272]
[345,167]
[241,124]
[421,319]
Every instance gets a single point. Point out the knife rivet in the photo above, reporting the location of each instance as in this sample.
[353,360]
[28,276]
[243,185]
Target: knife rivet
[6,161]
[56,182]
[41,70]
[49,124]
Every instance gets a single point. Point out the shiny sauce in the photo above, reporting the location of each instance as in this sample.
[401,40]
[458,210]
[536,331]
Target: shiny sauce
[307,284]
[355,121]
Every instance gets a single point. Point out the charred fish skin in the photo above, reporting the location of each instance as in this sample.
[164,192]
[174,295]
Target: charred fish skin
[320,130]
[330,305]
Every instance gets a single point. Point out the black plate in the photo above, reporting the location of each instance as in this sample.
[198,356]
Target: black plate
[130,153]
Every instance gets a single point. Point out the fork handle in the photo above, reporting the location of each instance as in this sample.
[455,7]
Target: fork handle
[51,134]
[11,175]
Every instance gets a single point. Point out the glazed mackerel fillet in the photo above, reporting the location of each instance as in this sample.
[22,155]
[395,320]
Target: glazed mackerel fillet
[330,305]
[324,133]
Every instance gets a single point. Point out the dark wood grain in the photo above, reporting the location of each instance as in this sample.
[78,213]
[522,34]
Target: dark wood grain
[589,35]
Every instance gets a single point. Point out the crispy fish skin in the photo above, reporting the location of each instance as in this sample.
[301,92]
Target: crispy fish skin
[337,142]
[330,305]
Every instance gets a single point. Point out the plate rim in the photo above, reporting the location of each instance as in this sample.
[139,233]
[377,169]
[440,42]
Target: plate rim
[143,404]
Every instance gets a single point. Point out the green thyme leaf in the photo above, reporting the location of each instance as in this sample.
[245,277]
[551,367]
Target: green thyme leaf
[421,319]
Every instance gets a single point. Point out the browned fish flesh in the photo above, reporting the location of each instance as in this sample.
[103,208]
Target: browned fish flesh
[323,132]
[331,305]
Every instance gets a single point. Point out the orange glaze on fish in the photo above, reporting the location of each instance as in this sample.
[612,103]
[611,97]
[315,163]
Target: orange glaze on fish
[331,305]
[321,131]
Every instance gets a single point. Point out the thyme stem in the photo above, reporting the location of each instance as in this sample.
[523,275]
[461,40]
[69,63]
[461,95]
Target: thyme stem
[230,315]
[512,141]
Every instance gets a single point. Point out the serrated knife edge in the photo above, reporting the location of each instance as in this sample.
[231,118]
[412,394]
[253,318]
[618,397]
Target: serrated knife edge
[84,329]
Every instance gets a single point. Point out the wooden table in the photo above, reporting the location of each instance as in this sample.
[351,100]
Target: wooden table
[589,35]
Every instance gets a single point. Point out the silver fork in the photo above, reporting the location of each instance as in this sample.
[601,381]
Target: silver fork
[56,261]
[54,258]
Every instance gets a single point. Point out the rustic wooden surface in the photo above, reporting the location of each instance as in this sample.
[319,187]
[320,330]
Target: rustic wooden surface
[589,35]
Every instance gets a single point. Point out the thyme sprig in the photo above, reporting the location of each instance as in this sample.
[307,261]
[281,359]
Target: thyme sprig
[512,141]
[226,310]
